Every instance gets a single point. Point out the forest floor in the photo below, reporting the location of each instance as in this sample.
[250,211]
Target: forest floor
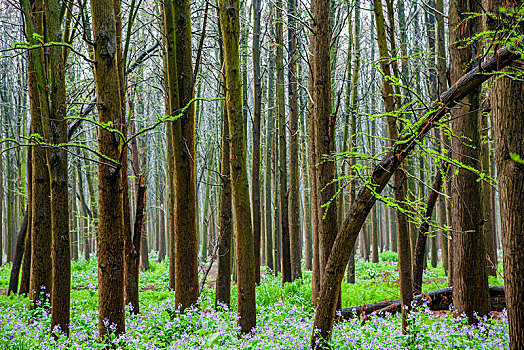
[284,316]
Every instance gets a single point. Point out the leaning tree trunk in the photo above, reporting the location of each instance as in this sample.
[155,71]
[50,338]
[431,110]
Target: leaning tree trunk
[380,176]
[230,24]
[470,281]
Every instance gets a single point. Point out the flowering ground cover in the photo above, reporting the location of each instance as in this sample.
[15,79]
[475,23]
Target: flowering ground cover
[284,318]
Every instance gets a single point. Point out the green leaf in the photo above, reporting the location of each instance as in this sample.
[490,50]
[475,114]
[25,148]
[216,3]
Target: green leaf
[213,340]
[515,157]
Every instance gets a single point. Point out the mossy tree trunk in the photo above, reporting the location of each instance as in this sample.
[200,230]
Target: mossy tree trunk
[230,24]
[110,200]
[470,282]
[255,169]
[295,237]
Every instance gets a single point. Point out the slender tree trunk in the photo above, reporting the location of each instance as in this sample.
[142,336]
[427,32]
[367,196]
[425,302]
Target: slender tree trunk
[132,276]
[230,24]
[324,125]
[162,227]
[19,253]
[269,168]
[255,170]
[223,283]
[312,151]
[418,263]
[26,262]
[294,185]
[486,197]
[282,153]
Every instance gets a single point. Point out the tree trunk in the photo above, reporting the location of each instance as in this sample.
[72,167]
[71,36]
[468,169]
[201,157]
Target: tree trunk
[470,281]
[324,125]
[295,236]
[223,283]
[418,263]
[110,202]
[282,153]
[313,170]
[230,24]
[186,235]
[40,284]
[19,253]
[255,170]
[132,268]
[506,101]
[508,131]
[485,187]
[269,152]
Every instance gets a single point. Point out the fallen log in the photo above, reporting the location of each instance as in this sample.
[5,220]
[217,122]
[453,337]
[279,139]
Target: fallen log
[437,300]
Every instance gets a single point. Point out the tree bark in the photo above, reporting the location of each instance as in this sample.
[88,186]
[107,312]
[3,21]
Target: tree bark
[255,172]
[40,284]
[324,125]
[269,153]
[223,283]
[436,300]
[295,236]
[418,263]
[186,235]
[19,253]
[506,101]
[230,24]
[282,149]
[469,260]
[110,201]
[508,131]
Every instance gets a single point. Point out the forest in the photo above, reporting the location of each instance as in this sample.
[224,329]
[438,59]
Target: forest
[261,174]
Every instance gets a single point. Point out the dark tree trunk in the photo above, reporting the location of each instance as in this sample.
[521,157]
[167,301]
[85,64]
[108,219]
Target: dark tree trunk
[470,281]
[295,236]
[282,153]
[110,200]
[133,263]
[186,235]
[255,173]
[223,283]
[19,253]
[508,130]
[230,24]
[418,263]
